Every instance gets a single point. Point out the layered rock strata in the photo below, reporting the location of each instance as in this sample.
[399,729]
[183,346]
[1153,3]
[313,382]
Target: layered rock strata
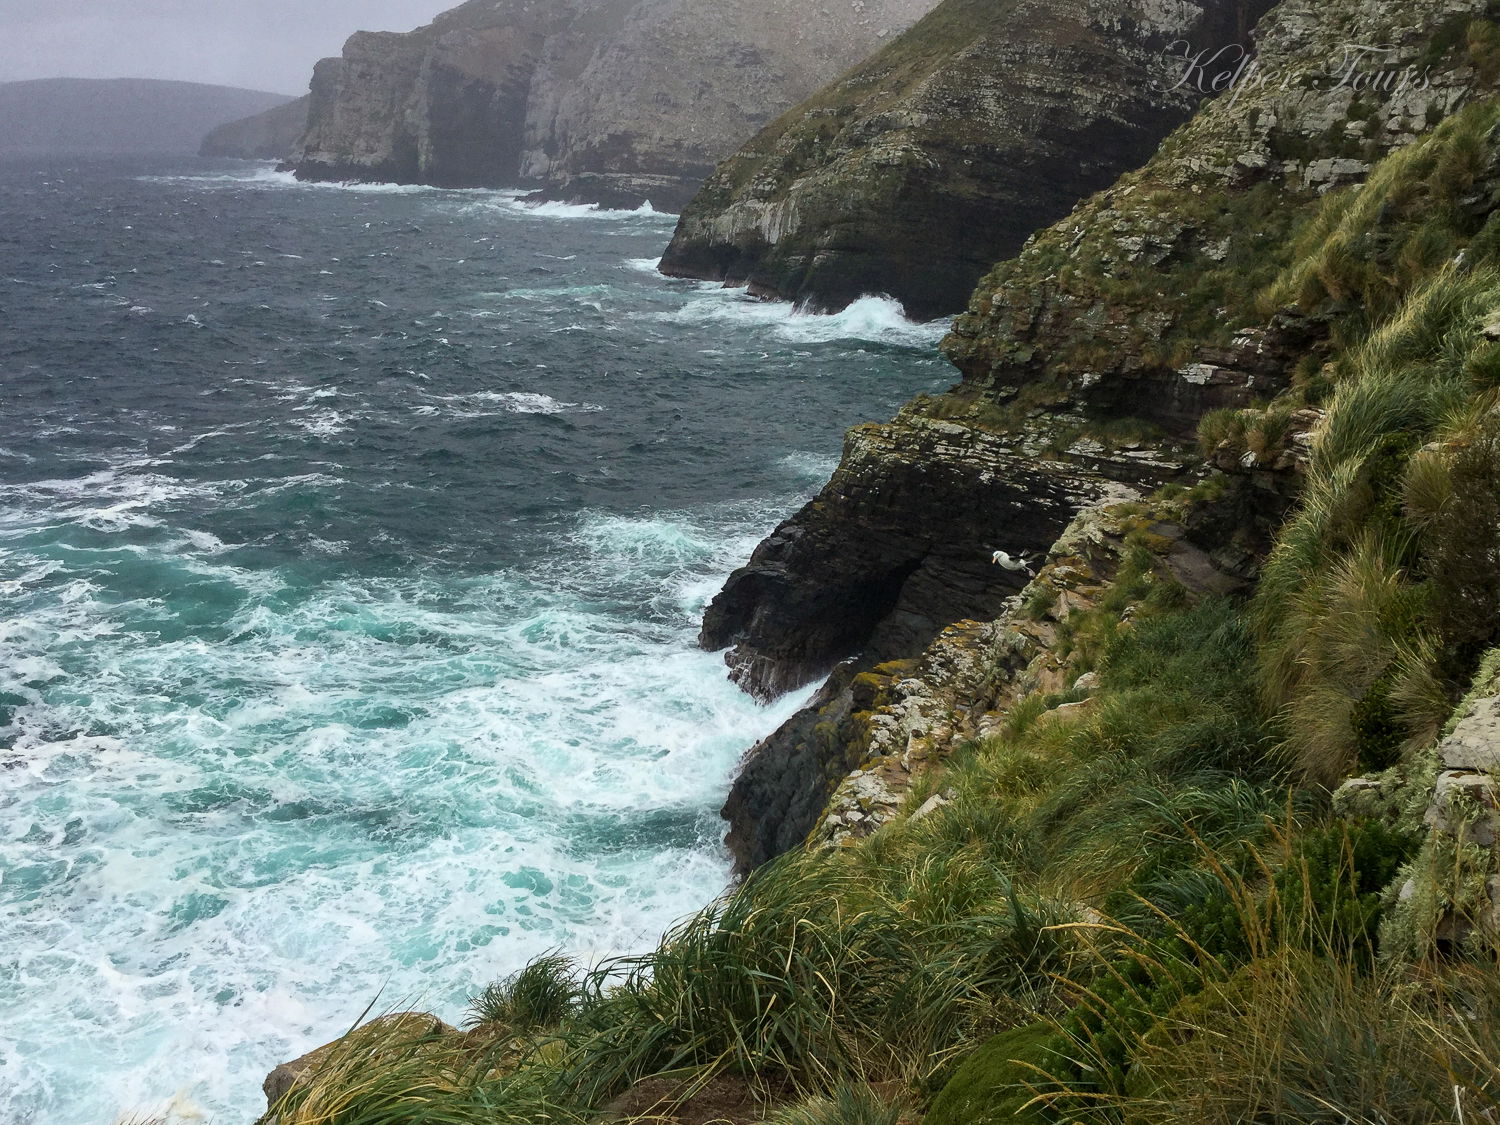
[614,101]
[936,158]
[1086,362]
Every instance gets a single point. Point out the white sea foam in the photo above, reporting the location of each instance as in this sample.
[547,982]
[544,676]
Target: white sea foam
[397,788]
[810,468]
[322,423]
[482,404]
[875,319]
[513,203]
[266,176]
[128,495]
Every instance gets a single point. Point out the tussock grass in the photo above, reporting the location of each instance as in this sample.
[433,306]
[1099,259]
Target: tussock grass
[825,968]
[1339,255]
[846,1105]
[541,995]
[1342,611]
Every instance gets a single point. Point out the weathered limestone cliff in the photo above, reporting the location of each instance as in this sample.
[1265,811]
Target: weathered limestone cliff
[273,135]
[612,101]
[937,157]
[1086,362]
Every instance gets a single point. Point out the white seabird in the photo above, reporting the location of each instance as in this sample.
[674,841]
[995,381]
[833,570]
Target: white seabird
[1009,562]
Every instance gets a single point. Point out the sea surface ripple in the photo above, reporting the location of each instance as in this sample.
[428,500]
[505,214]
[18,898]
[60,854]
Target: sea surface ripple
[353,543]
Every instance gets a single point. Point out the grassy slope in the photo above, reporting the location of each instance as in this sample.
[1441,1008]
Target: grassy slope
[1143,911]
[801,137]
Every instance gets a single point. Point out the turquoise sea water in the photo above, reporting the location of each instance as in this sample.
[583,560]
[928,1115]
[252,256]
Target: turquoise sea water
[352,546]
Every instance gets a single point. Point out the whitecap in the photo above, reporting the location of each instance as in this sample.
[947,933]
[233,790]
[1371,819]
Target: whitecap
[874,319]
[812,468]
[513,204]
[480,404]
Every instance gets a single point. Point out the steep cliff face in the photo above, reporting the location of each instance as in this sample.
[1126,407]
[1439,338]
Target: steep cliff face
[445,104]
[937,157]
[1086,361]
[610,101]
[273,135]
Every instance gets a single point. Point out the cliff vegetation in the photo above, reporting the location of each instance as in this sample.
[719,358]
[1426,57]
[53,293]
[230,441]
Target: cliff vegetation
[1197,824]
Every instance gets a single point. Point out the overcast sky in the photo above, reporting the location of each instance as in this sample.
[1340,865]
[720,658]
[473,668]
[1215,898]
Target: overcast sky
[259,44]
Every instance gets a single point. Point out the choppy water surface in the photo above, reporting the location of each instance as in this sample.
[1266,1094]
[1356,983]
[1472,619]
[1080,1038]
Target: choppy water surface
[352,546]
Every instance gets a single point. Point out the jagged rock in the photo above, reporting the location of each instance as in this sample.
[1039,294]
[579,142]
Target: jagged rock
[897,546]
[919,170]
[1464,806]
[1449,895]
[842,767]
[272,135]
[1358,797]
[614,101]
[1474,743]
[931,805]
[1089,682]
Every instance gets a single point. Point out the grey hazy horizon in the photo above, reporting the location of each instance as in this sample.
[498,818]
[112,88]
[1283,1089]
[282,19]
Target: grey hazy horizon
[257,44]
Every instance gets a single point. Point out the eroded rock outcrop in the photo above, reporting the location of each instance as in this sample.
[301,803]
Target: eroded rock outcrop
[850,762]
[613,101]
[273,135]
[937,157]
[1447,899]
[1086,361]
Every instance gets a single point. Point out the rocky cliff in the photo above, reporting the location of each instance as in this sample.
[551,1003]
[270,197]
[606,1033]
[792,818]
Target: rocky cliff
[937,157]
[272,135]
[1086,360]
[611,101]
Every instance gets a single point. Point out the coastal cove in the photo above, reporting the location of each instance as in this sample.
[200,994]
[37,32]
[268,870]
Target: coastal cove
[354,543]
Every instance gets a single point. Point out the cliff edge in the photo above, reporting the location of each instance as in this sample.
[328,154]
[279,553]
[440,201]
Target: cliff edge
[936,158]
[610,101]
[1087,361]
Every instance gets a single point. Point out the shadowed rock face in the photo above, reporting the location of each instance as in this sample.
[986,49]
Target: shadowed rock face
[273,135]
[1086,361]
[612,101]
[937,157]
[898,546]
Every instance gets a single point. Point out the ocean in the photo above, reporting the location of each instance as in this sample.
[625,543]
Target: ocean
[353,542]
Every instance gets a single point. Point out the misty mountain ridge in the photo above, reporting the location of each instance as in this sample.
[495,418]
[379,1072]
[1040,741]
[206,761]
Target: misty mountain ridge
[119,115]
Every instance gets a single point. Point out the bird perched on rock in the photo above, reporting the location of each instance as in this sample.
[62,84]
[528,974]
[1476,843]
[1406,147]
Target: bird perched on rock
[1011,562]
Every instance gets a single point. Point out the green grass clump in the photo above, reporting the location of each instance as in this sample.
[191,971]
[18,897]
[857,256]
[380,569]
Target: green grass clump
[848,1104]
[1365,249]
[997,1083]
[541,995]
[825,968]
[1357,644]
